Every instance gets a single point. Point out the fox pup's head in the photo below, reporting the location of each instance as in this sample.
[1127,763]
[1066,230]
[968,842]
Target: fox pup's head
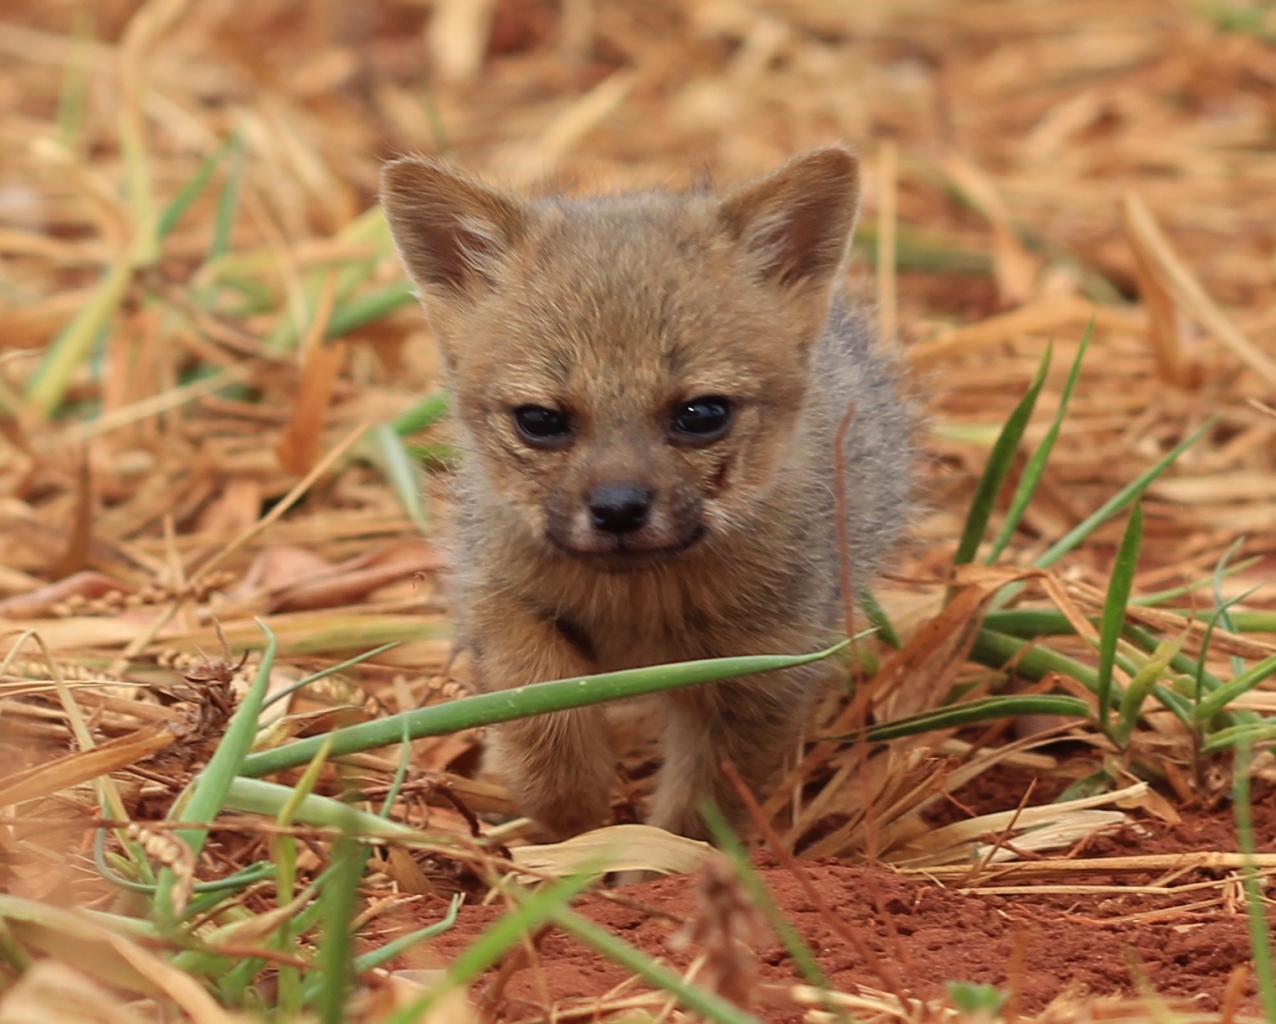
[630,368]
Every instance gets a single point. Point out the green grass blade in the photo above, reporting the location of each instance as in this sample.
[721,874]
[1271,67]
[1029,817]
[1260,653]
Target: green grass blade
[289,998]
[1260,939]
[995,649]
[400,774]
[227,203]
[493,942]
[335,960]
[729,843]
[209,789]
[707,1004]
[1227,739]
[425,413]
[1036,465]
[985,709]
[1030,623]
[254,796]
[1121,499]
[1255,622]
[998,465]
[75,342]
[519,702]
[1215,619]
[189,192]
[386,450]
[877,617]
[206,794]
[1173,593]
[1181,705]
[1224,614]
[1035,662]
[1119,587]
[403,943]
[330,670]
[1141,685]
[1213,703]
[73,99]
[364,309]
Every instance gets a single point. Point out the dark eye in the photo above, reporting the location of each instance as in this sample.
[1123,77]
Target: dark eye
[702,419]
[539,425]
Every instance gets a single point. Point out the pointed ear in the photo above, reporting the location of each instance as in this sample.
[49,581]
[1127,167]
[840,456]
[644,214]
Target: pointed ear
[797,222]
[451,233]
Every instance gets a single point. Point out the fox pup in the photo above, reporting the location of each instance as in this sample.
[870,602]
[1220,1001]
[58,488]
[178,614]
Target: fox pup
[648,387]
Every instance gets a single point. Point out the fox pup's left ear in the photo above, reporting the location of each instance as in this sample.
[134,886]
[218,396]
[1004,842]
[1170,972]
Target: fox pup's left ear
[798,220]
[452,233]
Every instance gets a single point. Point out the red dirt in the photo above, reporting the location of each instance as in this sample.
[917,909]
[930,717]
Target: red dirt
[1085,944]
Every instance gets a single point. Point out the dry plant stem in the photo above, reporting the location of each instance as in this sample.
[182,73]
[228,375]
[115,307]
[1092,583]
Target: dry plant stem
[283,505]
[512,962]
[165,401]
[977,869]
[1163,328]
[890,978]
[1187,290]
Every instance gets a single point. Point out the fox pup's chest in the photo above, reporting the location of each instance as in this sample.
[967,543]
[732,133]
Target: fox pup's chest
[637,625]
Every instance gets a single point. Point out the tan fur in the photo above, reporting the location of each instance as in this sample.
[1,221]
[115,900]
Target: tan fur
[617,311]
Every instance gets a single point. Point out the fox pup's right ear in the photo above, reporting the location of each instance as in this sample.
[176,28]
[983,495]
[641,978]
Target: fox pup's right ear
[797,221]
[450,232]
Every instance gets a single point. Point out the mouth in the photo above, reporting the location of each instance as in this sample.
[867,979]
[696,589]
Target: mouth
[623,557]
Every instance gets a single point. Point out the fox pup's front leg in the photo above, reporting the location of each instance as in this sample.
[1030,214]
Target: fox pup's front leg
[752,722]
[559,767]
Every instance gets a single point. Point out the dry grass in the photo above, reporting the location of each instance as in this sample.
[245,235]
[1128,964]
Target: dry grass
[212,453]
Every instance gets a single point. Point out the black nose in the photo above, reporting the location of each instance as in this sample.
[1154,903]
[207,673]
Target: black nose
[620,508]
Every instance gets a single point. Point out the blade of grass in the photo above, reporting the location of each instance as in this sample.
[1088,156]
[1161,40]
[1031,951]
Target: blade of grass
[1121,499]
[217,889]
[76,341]
[208,790]
[985,709]
[289,999]
[1209,635]
[385,449]
[1161,596]
[189,192]
[1147,641]
[1036,465]
[1119,586]
[364,309]
[425,413]
[73,99]
[1213,703]
[878,618]
[492,943]
[386,953]
[1238,664]
[335,960]
[709,1005]
[1141,685]
[227,203]
[330,670]
[729,843]
[997,650]
[1260,940]
[255,796]
[1259,734]
[998,465]
[537,698]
